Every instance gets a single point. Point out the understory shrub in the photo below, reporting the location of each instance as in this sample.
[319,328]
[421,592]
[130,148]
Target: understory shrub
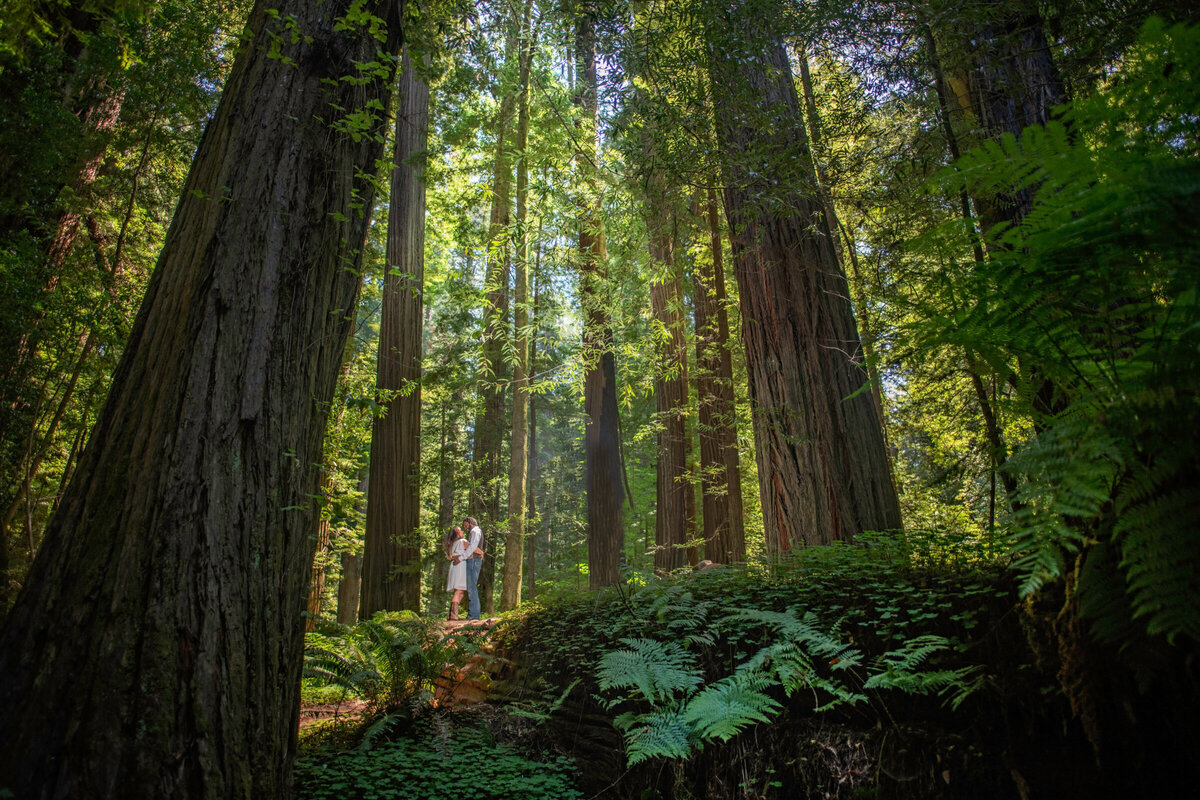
[698,658]
[391,660]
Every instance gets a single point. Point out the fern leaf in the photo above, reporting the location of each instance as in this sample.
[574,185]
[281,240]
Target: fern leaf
[723,709]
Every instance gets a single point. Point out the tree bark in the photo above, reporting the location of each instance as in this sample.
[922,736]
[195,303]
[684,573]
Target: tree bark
[1013,84]
[392,548]
[531,512]
[997,443]
[490,426]
[672,485]
[844,254]
[169,586]
[518,471]
[350,585]
[602,452]
[823,471]
[316,578]
[720,463]
[349,588]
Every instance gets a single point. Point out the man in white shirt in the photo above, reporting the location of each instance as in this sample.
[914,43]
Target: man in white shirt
[474,556]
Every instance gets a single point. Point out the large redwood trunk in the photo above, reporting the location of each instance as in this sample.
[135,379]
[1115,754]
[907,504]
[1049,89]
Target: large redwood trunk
[720,463]
[602,452]
[1013,84]
[823,472]
[518,470]
[673,489]
[155,649]
[491,424]
[391,576]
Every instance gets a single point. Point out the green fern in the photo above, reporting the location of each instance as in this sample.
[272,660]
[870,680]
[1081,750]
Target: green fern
[1096,291]
[387,660]
[902,671]
[657,670]
[724,709]
[659,734]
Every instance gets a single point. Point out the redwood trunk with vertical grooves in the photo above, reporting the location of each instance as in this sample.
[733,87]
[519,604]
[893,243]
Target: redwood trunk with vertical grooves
[1013,84]
[847,253]
[602,453]
[490,426]
[518,469]
[672,486]
[391,579]
[720,463]
[316,579]
[168,590]
[823,472]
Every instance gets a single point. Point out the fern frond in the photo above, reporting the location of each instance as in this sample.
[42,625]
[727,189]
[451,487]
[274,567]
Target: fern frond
[377,729]
[723,709]
[657,670]
[662,734]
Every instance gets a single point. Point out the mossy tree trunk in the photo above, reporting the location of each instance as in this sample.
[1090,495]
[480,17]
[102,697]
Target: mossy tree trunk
[155,649]
[602,451]
[518,471]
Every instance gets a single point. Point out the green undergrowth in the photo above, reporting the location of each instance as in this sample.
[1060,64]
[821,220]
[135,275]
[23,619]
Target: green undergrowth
[697,658]
[435,757]
[313,692]
[392,661]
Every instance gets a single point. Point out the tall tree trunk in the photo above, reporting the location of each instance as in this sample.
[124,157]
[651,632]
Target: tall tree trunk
[995,435]
[720,463]
[392,548]
[518,471]
[1013,84]
[316,578]
[672,486]
[169,586]
[602,452]
[531,515]
[350,585]
[847,253]
[490,426]
[349,588]
[822,468]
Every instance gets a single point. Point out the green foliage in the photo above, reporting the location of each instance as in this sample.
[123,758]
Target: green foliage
[391,660]
[902,671]
[657,670]
[436,764]
[1091,303]
[700,658]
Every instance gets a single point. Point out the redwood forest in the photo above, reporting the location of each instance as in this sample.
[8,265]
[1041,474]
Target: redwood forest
[599,399]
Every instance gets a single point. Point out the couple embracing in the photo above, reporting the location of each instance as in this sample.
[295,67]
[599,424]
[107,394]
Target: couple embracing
[465,552]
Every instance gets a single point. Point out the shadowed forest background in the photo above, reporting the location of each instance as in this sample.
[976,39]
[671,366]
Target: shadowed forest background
[824,376]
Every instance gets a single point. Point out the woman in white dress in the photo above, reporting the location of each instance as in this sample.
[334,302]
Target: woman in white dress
[456,581]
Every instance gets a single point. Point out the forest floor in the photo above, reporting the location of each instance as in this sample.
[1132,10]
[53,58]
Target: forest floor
[312,713]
